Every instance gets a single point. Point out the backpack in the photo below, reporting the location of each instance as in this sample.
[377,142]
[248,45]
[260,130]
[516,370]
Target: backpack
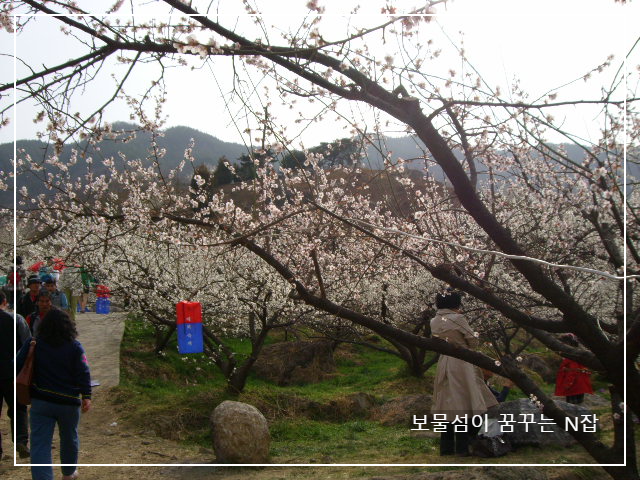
[489,447]
[490,442]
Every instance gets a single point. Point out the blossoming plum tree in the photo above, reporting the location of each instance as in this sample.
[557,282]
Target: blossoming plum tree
[240,296]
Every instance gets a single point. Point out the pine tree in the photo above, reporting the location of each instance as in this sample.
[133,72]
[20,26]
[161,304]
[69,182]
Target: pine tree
[246,170]
[223,175]
[293,159]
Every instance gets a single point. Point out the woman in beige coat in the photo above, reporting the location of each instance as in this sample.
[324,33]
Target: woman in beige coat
[459,389]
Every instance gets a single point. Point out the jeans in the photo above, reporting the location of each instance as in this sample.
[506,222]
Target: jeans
[22,433]
[44,417]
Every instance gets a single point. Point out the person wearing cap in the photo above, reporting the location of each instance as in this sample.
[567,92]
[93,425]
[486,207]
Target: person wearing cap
[29,302]
[58,298]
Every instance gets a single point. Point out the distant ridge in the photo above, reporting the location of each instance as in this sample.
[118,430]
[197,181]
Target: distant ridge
[207,150]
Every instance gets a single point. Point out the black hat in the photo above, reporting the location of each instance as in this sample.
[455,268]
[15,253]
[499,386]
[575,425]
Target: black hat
[33,279]
[449,299]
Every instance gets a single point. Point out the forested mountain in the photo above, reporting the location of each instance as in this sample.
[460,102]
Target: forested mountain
[207,151]
[207,148]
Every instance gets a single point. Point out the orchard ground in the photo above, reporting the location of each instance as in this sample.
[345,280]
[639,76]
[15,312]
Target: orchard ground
[159,415]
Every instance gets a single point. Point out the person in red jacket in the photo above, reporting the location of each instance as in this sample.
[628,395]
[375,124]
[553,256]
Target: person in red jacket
[574,379]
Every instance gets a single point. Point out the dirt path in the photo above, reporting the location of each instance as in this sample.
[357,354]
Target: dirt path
[102,439]
[101,336]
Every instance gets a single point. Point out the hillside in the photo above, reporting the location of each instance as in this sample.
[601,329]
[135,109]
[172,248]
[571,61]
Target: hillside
[207,150]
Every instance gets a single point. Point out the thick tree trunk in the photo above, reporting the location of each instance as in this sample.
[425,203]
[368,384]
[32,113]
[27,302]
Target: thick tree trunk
[161,342]
[236,383]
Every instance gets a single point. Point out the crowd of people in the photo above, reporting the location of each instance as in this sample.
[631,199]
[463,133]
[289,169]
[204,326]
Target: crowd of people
[47,275]
[61,386]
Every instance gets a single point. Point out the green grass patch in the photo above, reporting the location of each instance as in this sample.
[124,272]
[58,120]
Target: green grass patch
[302,441]
[173,395]
[359,369]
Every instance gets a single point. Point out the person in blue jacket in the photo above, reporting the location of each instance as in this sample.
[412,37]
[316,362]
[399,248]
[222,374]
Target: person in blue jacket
[58,298]
[61,389]
[501,395]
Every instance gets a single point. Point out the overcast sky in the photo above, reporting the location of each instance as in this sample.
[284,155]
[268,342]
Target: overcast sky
[544,43]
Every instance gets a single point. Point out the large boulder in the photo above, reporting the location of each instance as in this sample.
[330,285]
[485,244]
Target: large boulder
[538,364]
[290,363]
[400,410]
[240,433]
[590,401]
[529,428]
